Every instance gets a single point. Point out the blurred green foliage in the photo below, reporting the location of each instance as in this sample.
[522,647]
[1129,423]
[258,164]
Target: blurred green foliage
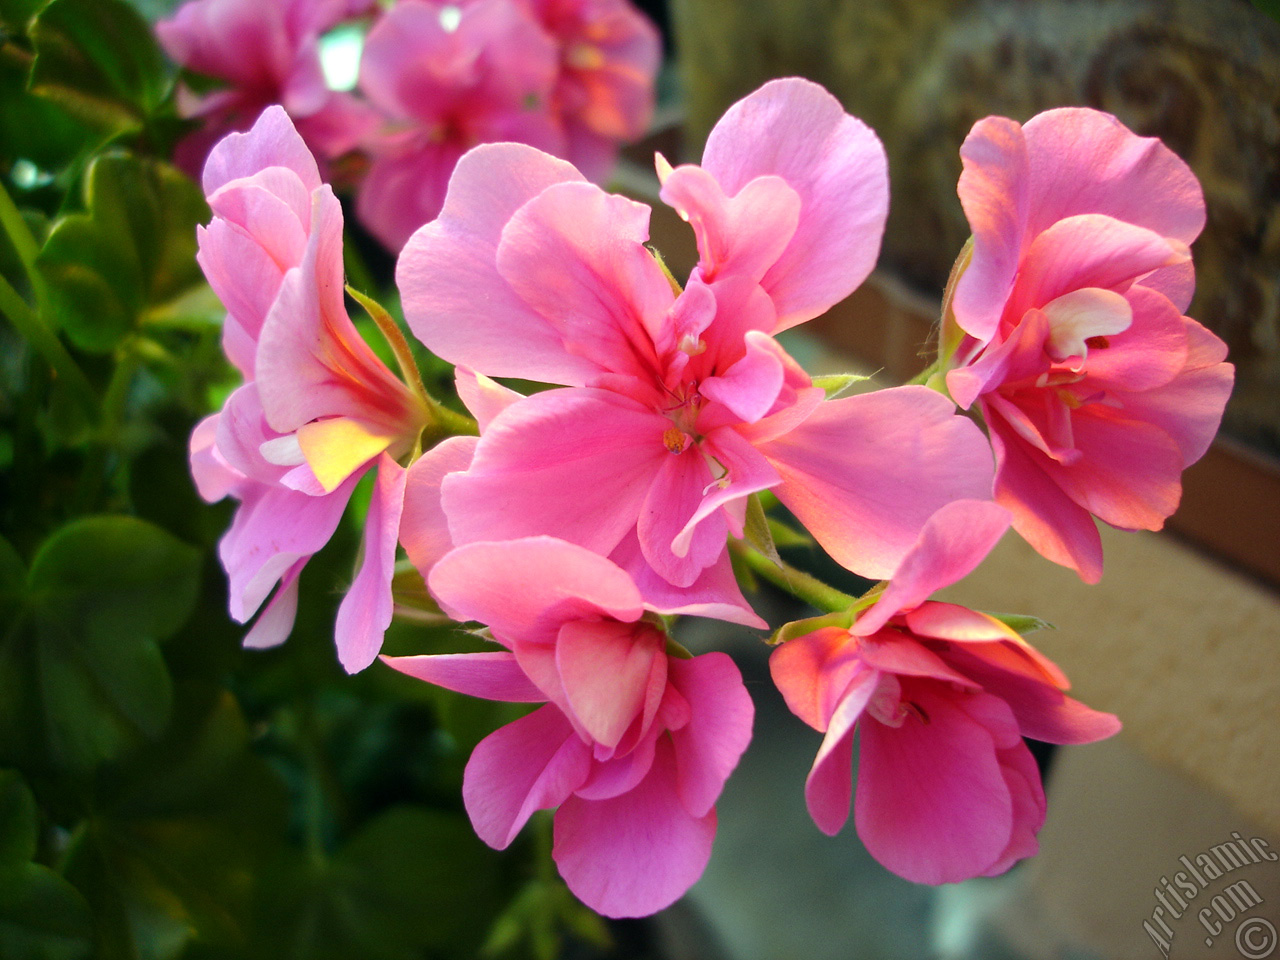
[163,793]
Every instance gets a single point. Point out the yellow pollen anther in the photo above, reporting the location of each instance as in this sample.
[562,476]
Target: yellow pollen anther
[673,439]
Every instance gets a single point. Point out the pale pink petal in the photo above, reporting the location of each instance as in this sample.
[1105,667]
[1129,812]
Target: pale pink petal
[829,786]
[445,265]
[932,803]
[275,622]
[484,398]
[637,853]
[708,747]
[1149,354]
[994,193]
[365,612]
[864,473]
[795,130]
[493,676]
[245,279]
[273,206]
[214,477]
[953,542]
[424,529]
[573,463]
[1086,161]
[526,589]
[576,255]
[531,764]
[272,142]
[1055,525]
[1176,282]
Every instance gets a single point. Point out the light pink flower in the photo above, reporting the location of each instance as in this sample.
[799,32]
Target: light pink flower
[319,408]
[1096,390]
[604,94]
[634,743]
[446,77]
[942,695]
[680,405]
[267,52]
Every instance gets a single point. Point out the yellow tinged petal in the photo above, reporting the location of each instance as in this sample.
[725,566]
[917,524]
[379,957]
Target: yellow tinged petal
[337,447]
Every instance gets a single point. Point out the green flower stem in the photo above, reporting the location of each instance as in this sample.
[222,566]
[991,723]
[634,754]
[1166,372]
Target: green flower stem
[27,322]
[23,243]
[801,585]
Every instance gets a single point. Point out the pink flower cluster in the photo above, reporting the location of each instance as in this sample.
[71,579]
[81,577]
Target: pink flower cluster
[437,77]
[586,515]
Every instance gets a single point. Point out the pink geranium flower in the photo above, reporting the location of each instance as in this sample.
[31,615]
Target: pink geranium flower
[447,76]
[680,404]
[267,53]
[609,56]
[318,410]
[634,743]
[942,695]
[1097,392]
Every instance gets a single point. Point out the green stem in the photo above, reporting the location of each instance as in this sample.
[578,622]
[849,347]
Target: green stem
[803,586]
[30,327]
[20,236]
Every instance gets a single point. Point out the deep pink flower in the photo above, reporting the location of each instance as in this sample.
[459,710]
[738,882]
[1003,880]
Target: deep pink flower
[1097,392]
[318,409]
[942,695]
[267,52]
[634,743]
[680,405]
[609,56]
[447,76]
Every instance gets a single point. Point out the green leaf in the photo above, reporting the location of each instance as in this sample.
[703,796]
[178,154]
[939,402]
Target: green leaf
[98,60]
[13,576]
[86,674]
[131,251]
[42,916]
[17,819]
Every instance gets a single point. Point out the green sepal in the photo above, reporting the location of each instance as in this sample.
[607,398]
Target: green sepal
[1021,623]
[842,619]
[758,531]
[836,384]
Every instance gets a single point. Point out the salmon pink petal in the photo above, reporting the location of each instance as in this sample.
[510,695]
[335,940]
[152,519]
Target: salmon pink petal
[935,620]
[424,529]
[493,676]
[1059,528]
[829,787]
[448,261]
[637,853]
[608,670]
[994,193]
[864,473]
[534,763]
[1088,251]
[574,463]
[1086,161]
[953,542]
[742,235]
[576,255]
[526,589]
[708,747]
[272,142]
[932,802]
[815,672]
[795,130]
[893,652]
[365,612]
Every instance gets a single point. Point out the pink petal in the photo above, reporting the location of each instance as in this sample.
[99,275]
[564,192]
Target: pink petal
[608,671]
[493,676]
[1086,161]
[715,593]
[245,278]
[573,463]
[814,673]
[674,498]
[864,473]
[708,747]
[795,130]
[1149,354]
[401,192]
[272,142]
[445,265]
[1023,779]
[829,786]
[484,398]
[214,477]
[932,803]
[953,542]
[275,622]
[531,764]
[526,589]
[637,853]
[424,529]
[365,612]
[994,192]
[750,387]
